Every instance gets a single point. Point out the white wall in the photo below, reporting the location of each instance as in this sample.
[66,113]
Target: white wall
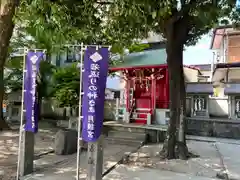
[234,75]
[191,75]
[218,106]
[48,108]
[207,73]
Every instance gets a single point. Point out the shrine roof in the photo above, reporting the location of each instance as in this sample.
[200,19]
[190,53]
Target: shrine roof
[199,88]
[232,89]
[148,58]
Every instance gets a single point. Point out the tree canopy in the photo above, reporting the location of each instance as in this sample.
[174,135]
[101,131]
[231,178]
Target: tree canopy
[191,18]
[66,85]
[181,23]
[50,24]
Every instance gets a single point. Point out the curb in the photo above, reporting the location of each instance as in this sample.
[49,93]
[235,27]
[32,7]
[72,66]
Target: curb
[223,174]
[44,153]
[210,141]
[121,161]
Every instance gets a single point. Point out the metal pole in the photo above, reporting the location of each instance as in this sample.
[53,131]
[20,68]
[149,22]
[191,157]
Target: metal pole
[89,45]
[21,120]
[79,140]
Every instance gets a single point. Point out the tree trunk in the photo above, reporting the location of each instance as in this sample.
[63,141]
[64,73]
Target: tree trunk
[39,104]
[174,52]
[182,149]
[7,10]
[3,123]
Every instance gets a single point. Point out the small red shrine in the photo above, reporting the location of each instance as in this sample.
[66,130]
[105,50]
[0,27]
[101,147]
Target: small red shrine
[146,89]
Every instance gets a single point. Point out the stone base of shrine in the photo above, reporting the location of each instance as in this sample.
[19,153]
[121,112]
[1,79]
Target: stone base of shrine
[214,127]
[130,132]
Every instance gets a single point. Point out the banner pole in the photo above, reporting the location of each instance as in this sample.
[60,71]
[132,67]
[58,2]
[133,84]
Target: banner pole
[79,139]
[22,114]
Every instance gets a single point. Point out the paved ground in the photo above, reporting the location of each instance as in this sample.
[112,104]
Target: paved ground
[124,172]
[52,167]
[9,149]
[231,159]
[215,156]
[207,165]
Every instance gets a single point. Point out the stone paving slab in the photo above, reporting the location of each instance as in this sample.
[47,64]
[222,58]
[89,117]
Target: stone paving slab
[124,172]
[9,145]
[52,166]
[231,159]
[9,150]
[146,162]
[206,165]
[213,139]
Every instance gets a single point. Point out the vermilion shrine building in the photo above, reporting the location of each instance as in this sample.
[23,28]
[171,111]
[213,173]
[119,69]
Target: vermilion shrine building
[145,81]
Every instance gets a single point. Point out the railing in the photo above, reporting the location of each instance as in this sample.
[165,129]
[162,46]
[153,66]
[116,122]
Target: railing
[133,106]
[162,104]
[142,116]
[120,113]
[199,106]
[237,108]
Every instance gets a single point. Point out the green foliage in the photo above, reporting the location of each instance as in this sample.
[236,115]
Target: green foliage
[137,47]
[45,24]
[66,85]
[51,24]
[13,80]
[187,18]
[14,76]
[121,23]
[44,80]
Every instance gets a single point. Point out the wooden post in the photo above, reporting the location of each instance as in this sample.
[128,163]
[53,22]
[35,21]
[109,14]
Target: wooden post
[148,118]
[27,154]
[229,107]
[233,107]
[207,106]
[95,160]
[117,109]
[192,106]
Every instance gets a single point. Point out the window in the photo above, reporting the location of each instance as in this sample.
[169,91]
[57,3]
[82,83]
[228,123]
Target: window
[15,111]
[73,54]
[233,48]
[70,54]
[237,106]
[200,103]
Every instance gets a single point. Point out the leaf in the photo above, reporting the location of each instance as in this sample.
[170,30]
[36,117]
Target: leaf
[66,82]
[154,14]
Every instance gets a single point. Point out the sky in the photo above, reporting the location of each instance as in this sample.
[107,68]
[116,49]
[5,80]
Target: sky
[198,54]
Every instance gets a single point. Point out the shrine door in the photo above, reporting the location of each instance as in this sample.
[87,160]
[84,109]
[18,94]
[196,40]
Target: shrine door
[162,91]
[143,100]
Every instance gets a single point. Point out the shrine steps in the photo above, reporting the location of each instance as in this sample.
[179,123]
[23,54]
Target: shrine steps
[126,137]
[133,133]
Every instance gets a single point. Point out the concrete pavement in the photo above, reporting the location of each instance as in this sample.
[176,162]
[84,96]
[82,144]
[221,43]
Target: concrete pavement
[228,150]
[213,139]
[52,167]
[231,159]
[124,172]
[215,156]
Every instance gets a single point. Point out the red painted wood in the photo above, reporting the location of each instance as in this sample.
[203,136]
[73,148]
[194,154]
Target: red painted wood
[162,88]
[157,95]
[114,69]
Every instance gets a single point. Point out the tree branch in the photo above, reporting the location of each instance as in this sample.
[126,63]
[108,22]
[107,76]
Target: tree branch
[104,2]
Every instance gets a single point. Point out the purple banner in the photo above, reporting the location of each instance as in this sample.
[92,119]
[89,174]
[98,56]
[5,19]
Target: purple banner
[31,104]
[94,84]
